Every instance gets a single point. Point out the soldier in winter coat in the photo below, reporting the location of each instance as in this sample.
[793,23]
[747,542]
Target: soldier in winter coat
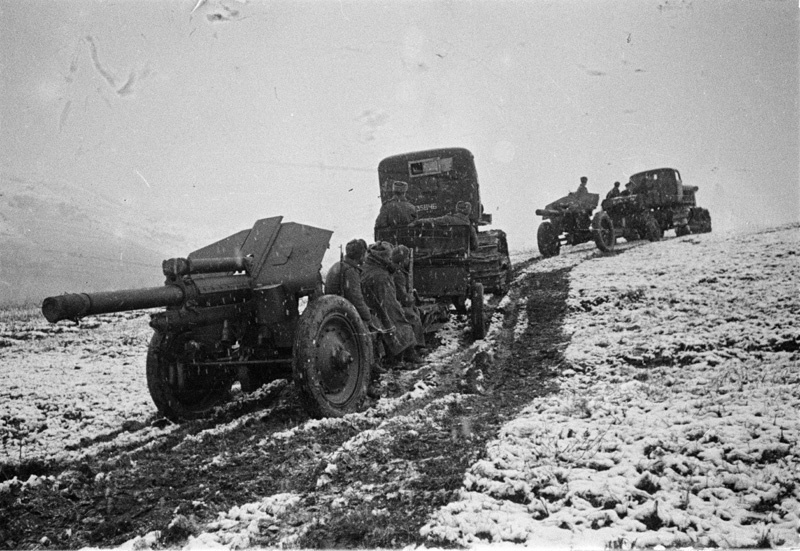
[380,295]
[344,277]
[397,211]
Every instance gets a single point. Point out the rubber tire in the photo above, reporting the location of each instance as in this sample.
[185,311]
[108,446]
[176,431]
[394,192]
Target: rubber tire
[603,232]
[652,231]
[701,221]
[330,324]
[178,405]
[547,239]
[476,311]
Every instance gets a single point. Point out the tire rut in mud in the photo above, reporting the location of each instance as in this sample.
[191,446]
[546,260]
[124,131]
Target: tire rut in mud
[405,476]
[415,465]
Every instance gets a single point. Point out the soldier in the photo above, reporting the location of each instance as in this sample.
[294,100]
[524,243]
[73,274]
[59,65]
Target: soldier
[628,188]
[397,211]
[615,191]
[458,218]
[344,278]
[582,187]
[380,295]
[401,258]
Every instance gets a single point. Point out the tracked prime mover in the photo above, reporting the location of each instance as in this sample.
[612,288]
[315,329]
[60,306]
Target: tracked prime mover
[232,313]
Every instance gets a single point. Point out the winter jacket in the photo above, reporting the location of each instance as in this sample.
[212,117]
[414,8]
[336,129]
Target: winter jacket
[380,295]
[347,273]
[396,212]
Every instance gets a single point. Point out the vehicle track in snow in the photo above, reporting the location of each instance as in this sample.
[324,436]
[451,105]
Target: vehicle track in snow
[370,479]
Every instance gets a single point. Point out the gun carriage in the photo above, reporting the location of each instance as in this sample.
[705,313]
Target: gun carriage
[233,311]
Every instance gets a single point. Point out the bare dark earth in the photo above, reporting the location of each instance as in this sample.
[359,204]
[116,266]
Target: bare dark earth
[110,498]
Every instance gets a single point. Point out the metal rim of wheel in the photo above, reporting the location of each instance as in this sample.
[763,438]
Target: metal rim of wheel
[332,357]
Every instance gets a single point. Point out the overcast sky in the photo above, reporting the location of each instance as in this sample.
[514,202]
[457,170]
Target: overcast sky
[222,112]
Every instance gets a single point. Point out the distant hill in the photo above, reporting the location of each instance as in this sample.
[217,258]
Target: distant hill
[58,237]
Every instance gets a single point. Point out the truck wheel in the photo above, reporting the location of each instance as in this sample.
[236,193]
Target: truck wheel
[603,231]
[652,231]
[180,392]
[680,231]
[700,221]
[547,239]
[476,311]
[332,357]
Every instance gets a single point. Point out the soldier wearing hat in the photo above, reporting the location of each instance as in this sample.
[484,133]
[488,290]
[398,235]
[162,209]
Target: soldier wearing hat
[458,218]
[397,211]
[380,295]
[344,277]
[615,191]
[582,187]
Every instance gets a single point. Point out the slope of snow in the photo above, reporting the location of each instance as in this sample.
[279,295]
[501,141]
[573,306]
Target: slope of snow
[676,423]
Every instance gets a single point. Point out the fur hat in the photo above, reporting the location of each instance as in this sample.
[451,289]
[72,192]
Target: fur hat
[400,254]
[355,249]
[464,207]
[399,187]
[584,179]
[381,250]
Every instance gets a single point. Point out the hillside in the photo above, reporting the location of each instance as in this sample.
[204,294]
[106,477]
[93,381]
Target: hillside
[637,399]
[57,237]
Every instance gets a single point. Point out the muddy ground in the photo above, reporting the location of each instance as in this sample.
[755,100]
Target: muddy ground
[180,480]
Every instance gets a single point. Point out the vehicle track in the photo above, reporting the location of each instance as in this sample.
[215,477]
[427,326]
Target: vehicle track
[396,463]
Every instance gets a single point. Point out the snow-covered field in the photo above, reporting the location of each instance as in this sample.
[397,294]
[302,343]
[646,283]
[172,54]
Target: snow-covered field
[677,422]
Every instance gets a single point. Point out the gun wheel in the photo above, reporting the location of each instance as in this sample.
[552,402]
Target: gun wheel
[476,311]
[603,230]
[332,357]
[547,239]
[181,392]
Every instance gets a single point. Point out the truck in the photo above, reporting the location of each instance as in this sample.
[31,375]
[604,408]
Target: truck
[246,309]
[654,201]
[447,269]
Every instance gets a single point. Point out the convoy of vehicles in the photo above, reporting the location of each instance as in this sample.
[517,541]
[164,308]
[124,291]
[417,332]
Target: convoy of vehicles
[653,202]
[232,309]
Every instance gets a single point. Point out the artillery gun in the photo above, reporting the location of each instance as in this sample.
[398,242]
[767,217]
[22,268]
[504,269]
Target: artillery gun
[233,313]
[447,268]
[654,201]
[569,221]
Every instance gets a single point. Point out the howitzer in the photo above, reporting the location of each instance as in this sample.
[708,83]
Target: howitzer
[233,313]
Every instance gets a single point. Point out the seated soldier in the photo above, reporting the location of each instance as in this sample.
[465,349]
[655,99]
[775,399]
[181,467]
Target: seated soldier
[397,211]
[615,191]
[380,295]
[458,218]
[344,278]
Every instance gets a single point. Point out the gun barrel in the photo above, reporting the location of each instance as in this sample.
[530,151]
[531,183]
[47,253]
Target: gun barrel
[77,305]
